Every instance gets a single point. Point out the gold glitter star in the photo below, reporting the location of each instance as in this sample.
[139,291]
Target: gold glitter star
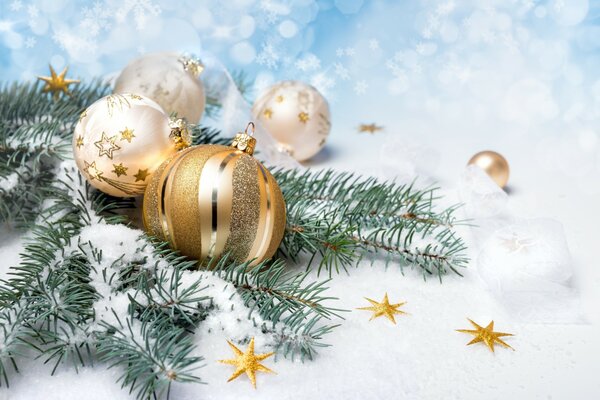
[127,134]
[486,335]
[383,308]
[83,115]
[57,83]
[135,96]
[120,169]
[141,175]
[106,145]
[79,141]
[247,362]
[279,99]
[370,128]
[92,171]
[268,113]
[303,117]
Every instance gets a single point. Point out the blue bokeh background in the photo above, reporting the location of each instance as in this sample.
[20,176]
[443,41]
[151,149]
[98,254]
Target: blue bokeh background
[503,68]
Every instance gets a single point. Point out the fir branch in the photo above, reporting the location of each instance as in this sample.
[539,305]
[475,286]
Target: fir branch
[342,217]
[283,298]
[152,354]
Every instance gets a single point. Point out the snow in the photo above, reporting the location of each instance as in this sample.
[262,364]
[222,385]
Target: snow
[465,77]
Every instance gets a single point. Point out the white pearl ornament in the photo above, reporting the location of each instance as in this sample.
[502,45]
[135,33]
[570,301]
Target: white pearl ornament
[296,115]
[121,139]
[170,80]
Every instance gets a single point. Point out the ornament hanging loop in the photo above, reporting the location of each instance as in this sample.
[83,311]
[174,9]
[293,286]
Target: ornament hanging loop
[244,141]
[252,126]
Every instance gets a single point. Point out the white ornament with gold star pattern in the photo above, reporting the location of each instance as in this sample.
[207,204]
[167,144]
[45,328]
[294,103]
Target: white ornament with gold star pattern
[296,115]
[169,79]
[121,139]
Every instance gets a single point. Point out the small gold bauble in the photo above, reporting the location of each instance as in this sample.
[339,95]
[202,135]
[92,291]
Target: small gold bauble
[170,80]
[121,139]
[493,164]
[209,200]
[296,115]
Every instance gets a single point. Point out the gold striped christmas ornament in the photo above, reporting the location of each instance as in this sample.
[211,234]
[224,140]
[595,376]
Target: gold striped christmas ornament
[121,139]
[209,200]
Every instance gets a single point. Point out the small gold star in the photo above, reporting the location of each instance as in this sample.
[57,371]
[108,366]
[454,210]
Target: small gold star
[370,128]
[383,308]
[83,115]
[486,335]
[127,134]
[247,362]
[303,117]
[279,99]
[120,169]
[92,171]
[57,83]
[268,113]
[141,175]
[106,145]
[135,96]
[79,141]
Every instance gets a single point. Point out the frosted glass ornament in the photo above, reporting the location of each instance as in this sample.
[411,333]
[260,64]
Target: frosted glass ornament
[296,115]
[527,266]
[169,79]
[121,139]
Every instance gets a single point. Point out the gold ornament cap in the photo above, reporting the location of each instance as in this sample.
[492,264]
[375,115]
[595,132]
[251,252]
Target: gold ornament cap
[244,141]
[192,65]
[180,134]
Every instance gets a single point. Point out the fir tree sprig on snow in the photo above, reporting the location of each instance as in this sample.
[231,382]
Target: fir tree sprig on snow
[342,217]
[68,300]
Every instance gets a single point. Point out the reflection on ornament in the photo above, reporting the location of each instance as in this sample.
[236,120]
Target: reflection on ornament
[493,164]
[169,79]
[57,84]
[211,200]
[296,115]
[383,309]
[247,362]
[120,134]
[369,128]
[486,335]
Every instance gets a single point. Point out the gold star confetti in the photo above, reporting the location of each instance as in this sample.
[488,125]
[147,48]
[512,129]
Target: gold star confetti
[247,362]
[383,308]
[141,175]
[57,83]
[79,141]
[486,335]
[83,115]
[303,117]
[92,171]
[120,169]
[106,145]
[268,113]
[127,134]
[279,99]
[369,128]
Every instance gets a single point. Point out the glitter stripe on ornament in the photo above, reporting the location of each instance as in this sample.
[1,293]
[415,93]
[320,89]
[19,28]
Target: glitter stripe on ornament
[245,208]
[165,204]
